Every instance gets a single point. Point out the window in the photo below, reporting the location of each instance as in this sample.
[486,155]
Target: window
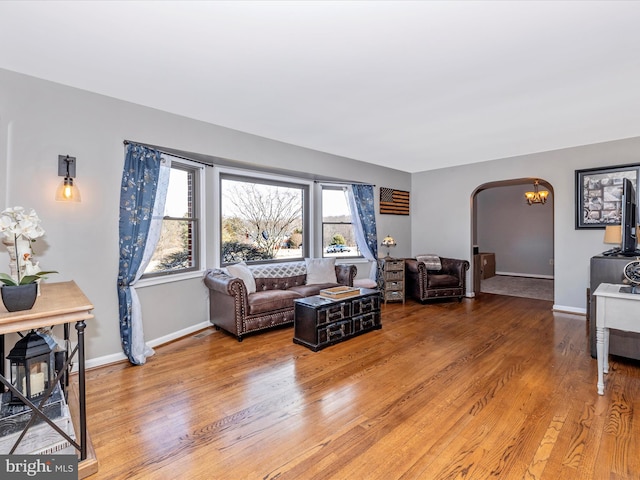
[178,249]
[338,236]
[262,219]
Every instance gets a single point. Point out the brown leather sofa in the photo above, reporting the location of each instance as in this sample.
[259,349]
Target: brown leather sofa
[448,282]
[238,312]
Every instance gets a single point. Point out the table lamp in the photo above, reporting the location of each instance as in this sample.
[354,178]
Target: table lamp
[388,242]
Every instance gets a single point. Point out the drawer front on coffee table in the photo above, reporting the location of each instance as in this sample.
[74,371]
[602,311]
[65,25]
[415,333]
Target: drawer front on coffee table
[334,332]
[365,304]
[364,323]
[334,313]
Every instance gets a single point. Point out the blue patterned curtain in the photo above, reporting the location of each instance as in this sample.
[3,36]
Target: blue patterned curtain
[137,199]
[363,212]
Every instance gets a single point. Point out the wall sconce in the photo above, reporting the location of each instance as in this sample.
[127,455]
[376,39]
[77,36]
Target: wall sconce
[388,242]
[536,196]
[67,191]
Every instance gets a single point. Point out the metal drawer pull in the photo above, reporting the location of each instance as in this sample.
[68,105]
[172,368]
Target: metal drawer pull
[335,333]
[335,315]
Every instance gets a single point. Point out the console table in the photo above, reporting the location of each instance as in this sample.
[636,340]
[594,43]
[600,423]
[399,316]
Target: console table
[60,303]
[617,310]
[320,322]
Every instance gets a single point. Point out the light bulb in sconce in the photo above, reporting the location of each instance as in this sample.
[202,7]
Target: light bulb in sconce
[67,191]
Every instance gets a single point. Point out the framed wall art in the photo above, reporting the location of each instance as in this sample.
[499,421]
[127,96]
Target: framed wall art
[599,192]
[394,202]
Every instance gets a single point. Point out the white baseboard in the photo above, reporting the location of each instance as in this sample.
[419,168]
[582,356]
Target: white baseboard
[118,357]
[528,275]
[180,333]
[101,361]
[565,309]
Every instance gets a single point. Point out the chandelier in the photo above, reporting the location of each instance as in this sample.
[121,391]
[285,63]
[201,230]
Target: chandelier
[536,196]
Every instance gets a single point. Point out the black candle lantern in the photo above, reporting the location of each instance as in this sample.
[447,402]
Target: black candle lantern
[31,367]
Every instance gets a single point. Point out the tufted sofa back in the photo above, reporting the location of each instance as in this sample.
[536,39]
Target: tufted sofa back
[279,276]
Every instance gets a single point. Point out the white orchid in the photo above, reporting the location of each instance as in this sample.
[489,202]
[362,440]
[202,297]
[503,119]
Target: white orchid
[16,222]
[7,224]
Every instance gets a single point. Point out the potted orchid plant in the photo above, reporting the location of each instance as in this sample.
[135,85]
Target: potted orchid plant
[20,229]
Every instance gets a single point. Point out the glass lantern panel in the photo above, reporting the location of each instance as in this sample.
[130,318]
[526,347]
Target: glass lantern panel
[38,375]
[20,376]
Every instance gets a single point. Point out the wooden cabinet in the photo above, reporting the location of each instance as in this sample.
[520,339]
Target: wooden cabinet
[391,279]
[320,322]
[610,269]
[487,264]
[484,266]
[477,274]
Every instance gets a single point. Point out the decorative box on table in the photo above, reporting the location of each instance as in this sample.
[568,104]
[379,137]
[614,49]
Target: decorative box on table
[41,437]
[13,418]
[339,292]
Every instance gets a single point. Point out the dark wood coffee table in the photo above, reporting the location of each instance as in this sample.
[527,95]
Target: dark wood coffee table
[320,322]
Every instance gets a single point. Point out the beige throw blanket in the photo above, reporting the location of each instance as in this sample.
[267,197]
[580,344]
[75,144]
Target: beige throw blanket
[432,262]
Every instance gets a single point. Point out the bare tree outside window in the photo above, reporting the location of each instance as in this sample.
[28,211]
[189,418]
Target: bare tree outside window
[260,221]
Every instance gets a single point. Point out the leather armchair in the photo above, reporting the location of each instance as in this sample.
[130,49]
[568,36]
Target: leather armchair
[448,282]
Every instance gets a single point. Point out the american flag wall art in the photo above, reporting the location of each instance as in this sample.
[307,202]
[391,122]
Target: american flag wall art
[394,202]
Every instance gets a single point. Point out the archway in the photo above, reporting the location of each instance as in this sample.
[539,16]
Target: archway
[517,236]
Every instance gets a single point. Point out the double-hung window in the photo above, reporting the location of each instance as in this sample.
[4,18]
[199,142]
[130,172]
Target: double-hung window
[178,250]
[338,236]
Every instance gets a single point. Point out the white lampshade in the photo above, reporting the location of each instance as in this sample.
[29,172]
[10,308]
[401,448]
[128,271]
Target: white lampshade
[388,241]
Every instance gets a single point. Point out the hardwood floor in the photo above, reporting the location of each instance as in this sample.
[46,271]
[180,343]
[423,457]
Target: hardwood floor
[493,387]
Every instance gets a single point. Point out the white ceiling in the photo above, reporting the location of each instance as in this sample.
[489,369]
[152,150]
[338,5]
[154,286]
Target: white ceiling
[411,85]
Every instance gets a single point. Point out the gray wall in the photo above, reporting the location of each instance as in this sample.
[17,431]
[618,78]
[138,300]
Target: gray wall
[40,120]
[520,235]
[441,218]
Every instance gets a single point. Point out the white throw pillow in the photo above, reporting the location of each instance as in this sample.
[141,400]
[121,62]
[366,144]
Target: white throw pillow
[321,270]
[241,271]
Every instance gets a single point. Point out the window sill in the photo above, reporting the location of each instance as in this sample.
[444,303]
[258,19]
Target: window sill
[350,260]
[177,277]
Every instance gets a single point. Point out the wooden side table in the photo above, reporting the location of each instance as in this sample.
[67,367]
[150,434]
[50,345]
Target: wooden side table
[391,279]
[59,304]
[617,310]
